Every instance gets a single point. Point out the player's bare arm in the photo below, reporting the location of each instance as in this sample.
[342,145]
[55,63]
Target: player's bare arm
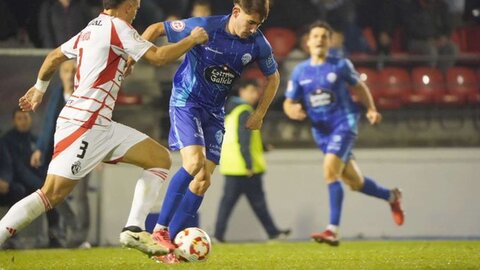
[255,120]
[293,109]
[154,31]
[169,53]
[373,116]
[32,99]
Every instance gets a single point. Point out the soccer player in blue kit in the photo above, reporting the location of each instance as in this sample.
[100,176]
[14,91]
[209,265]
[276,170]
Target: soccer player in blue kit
[200,88]
[320,85]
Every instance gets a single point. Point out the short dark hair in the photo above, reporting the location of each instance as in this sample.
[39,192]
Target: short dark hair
[262,7]
[321,24]
[109,4]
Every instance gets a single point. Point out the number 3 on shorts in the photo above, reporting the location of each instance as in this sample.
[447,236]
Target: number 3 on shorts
[83,148]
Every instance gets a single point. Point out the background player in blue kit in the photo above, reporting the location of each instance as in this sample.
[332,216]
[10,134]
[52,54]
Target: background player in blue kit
[200,87]
[320,85]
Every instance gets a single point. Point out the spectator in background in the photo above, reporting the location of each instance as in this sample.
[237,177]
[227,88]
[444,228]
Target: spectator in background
[19,143]
[79,223]
[428,27]
[243,164]
[201,8]
[25,13]
[293,15]
[60,20]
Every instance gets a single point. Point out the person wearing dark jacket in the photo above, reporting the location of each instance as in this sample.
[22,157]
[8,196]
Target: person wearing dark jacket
[19,144]
[243,164]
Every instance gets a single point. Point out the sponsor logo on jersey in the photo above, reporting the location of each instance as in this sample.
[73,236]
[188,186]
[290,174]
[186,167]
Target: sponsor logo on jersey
[76,167]
[246,58]
[220,75]
[177,26]
[321,97]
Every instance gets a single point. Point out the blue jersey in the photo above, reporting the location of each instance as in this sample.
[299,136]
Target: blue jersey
[208,71]
[323,91]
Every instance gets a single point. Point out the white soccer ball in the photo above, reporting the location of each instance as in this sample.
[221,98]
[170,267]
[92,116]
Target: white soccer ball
[193,245]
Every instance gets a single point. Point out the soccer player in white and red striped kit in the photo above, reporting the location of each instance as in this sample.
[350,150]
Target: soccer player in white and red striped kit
[85,133]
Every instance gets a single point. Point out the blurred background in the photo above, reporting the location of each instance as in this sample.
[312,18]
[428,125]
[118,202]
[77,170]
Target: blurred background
[420,58]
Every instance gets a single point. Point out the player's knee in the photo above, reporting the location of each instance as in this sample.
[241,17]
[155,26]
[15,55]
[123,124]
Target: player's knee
[199,187]
[355,186]
[54,198]
[194,165]
[331,176]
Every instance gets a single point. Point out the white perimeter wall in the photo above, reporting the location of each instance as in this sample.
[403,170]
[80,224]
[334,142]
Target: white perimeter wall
[441,196]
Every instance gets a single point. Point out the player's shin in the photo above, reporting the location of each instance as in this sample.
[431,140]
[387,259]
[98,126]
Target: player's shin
[23,213]
[146,194]
[175,193]
[371,188]
[187,210]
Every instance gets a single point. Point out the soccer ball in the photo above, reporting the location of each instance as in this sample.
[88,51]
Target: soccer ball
[193,245]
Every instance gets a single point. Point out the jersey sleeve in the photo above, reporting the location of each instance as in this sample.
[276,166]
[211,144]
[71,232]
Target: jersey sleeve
[133,44]
[350,74]
[294,89]
[178,30]
[69,48]
[266,62]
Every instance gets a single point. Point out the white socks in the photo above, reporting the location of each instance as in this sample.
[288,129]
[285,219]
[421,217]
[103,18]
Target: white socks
[145,196]
[333,228]
[23,213]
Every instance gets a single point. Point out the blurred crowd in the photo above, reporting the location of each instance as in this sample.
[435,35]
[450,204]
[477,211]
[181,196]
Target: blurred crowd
[369,26]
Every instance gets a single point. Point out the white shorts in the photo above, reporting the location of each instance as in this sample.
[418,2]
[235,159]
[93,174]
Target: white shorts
[79,150]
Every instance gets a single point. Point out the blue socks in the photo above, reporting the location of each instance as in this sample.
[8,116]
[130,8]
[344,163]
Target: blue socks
[335,191]
[175,192]
[185,214]
[371,188]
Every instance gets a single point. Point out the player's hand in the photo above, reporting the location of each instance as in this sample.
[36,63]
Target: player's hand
[36,159]
[374,117]
[129,67]
[254,121]
[199,35]
[31,100]
[296,112]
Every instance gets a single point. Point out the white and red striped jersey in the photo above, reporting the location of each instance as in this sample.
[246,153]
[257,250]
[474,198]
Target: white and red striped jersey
[101,50]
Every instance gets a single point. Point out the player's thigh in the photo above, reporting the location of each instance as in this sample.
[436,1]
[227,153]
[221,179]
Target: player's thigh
[213,132]
[333,166]
[56,188]
[352,176]
[148,154]
[186,128]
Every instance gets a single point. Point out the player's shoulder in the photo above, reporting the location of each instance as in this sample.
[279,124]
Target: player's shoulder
[302,65]
[339,61]
[260,39]
[210,23]
[121,25]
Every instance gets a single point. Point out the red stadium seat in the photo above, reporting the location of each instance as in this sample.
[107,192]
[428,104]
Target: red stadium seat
[462,85]
[395,85]
[372,79]
[253,73]
[428,85]
[282,40]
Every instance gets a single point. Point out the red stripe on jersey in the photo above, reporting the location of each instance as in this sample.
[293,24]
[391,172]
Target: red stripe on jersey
[84,110]
[76,41]
[107,92]
[78,120]
[94,99]
[66,142]
[108,74]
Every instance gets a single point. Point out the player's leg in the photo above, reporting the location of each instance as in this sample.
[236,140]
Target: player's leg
[54,191]
[192,199]
[353,177]
[231,193]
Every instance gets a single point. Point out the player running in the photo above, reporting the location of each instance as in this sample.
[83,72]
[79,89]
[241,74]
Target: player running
[319,84]
[200,87]
[85,133]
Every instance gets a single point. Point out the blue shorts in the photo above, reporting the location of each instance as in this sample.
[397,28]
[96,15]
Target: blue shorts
[339,142]
[196,126]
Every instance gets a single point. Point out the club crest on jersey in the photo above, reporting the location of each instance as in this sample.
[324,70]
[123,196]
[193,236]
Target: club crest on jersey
[177,26]
[246,58]
[76,166]
[220,75]
[331,77]
[219,137]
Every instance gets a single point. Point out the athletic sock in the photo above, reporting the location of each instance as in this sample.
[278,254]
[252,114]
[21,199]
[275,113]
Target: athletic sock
[145,196]
[371,188]
[186,213]
[335,191]
[175,192]
[23,213]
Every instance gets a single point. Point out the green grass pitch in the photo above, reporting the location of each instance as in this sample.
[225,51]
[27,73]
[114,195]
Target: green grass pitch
[292,255]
